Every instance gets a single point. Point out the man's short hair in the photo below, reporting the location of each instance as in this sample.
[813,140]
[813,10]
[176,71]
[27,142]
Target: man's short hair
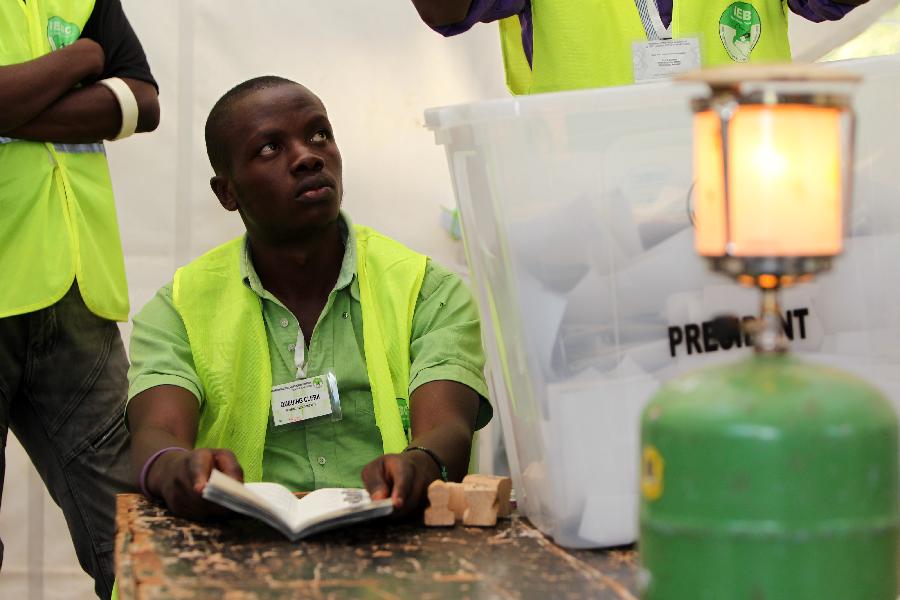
[220,116]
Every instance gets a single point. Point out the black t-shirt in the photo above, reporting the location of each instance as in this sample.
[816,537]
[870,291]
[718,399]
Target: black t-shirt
[109,27]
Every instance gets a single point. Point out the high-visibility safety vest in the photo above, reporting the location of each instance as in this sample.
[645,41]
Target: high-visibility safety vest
[57,211]
[588,43]
[225,327]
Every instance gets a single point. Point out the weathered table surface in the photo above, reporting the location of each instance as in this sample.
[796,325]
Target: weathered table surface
[161,556]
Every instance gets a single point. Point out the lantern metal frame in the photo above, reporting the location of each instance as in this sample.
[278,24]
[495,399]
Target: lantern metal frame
[731,88]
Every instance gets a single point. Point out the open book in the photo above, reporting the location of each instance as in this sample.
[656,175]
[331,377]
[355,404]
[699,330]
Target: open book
[274,504]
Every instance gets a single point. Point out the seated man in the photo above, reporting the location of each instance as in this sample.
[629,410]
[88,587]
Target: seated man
[340,312]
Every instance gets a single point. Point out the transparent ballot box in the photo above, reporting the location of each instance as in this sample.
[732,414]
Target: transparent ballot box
[576,212]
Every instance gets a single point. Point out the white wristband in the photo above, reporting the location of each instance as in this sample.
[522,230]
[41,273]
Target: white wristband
[127,104]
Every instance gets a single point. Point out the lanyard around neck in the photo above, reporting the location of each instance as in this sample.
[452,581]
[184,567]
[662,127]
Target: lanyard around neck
[652,22]
[300,354]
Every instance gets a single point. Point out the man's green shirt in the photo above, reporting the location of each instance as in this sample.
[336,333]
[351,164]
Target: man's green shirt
[445,345]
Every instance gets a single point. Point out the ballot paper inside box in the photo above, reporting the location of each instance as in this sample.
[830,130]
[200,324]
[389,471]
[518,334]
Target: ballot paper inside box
[576,211]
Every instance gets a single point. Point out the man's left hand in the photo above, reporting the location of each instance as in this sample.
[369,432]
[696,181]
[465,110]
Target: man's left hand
[404,478]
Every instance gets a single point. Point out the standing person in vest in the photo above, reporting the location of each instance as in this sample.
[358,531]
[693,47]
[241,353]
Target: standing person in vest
[72,73]
[554,45]
[378,344]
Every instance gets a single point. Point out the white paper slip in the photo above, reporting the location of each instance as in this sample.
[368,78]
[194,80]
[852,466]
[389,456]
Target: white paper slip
[300,400]
[663,59]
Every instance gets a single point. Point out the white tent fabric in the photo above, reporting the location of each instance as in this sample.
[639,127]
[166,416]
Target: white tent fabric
[376,69]
[811,41]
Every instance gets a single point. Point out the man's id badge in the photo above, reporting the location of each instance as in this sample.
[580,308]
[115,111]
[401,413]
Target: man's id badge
[663,59]
[301,400]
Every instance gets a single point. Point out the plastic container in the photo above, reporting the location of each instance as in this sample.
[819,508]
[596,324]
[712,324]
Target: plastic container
[576,220]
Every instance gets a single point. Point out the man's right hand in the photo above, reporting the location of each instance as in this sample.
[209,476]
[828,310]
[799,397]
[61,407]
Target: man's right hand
[179,478]
[92,54]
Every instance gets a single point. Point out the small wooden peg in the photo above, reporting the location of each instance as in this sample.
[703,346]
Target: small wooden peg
[457,499]
[503,485]
[438,514]
[481,510]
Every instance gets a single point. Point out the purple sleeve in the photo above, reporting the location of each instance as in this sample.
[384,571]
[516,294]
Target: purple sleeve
[820,10]
[483,11]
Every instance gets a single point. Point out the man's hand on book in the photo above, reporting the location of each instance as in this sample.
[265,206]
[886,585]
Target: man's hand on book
[404,478]
[183,475]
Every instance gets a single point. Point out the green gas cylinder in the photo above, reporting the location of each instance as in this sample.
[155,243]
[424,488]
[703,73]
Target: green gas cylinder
[769,479]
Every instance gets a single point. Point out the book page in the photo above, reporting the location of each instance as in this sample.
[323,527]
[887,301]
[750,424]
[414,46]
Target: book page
[280,499]
[329,508]
[221,483]
[274,504]
[325,503]
[241,498]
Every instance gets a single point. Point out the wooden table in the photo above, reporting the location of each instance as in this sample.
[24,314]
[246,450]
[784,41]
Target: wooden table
[161,556]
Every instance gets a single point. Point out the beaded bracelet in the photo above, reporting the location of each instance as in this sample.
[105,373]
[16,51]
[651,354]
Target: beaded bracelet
[435,458]
[149,463]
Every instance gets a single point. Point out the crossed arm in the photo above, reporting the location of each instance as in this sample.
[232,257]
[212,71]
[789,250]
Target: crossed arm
[442,418]
[39,100]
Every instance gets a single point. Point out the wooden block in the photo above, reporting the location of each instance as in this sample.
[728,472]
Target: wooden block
[503,485]
[438,494]
[439,517]
[457,499]
[481,509]
[438,514]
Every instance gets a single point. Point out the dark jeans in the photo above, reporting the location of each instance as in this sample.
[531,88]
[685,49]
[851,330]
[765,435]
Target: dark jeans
[62,391]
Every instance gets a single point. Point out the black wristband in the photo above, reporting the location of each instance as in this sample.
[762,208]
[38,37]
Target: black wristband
[434,457]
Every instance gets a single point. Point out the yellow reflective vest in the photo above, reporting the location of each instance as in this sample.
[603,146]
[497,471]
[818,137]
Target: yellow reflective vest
[588,43]
[57,211]
[225,327]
